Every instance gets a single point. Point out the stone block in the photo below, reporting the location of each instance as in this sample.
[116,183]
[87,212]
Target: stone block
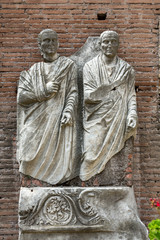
[69,213]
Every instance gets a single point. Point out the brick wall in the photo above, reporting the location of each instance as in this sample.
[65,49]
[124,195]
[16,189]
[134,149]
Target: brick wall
[74,20]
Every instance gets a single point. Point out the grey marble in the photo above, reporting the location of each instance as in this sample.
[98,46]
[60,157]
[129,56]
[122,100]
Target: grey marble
[110,113]
[79,213]
[48,143]
[47,103]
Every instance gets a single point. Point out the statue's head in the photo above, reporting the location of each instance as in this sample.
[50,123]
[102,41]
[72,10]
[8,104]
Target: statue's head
[109,42]
[48,43]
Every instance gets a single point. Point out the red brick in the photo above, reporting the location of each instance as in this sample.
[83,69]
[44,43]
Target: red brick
[139,1]
[97,2]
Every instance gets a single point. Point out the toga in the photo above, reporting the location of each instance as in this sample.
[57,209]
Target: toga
[109,100]
[47,149]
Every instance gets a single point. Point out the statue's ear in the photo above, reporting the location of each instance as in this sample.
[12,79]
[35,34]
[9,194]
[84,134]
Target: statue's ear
[57,44]
[99,43]
[39,46]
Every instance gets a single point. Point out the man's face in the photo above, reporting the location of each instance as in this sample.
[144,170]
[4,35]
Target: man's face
[109,45]
[49,43]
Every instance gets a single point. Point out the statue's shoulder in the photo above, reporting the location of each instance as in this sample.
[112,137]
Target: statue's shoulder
[124,63]
[126,66]
[35,66]
[25,74]
[92,62]
[66,60]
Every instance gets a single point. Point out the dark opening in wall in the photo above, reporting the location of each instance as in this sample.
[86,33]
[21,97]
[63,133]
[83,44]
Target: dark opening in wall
[101,16]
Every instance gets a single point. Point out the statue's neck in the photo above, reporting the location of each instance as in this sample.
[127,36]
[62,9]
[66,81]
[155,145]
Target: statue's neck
[50,58]
[108,60]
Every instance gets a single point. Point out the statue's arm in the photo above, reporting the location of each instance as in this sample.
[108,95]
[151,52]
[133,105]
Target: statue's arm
[71,97]
[25,97]
[91,90]
[29,93]
[132,105]
[26,94]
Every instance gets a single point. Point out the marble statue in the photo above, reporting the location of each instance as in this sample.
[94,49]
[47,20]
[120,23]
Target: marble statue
[47,100]
[110,115]
[48,146]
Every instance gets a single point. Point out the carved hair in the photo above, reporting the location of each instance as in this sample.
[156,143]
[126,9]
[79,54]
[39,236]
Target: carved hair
[109,32]
[45,31]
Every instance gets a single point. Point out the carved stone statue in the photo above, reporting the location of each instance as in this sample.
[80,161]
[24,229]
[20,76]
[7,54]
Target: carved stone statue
[48,145]
[47,99]
[110,116]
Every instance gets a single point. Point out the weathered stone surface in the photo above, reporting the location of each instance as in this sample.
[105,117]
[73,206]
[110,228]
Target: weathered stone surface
[110,115]
[81,236]
[79,213]
[89,50]
[110,175]
[69,213]
[47,102]
[117,172]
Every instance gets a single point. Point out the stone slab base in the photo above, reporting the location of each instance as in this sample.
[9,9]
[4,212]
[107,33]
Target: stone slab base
[79,236]
[74,213]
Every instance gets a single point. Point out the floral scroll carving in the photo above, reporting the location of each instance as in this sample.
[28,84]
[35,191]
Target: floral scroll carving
[62,208]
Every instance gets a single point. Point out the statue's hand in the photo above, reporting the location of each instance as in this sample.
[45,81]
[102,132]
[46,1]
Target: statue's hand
[52,87]
[66,118]
[131,123]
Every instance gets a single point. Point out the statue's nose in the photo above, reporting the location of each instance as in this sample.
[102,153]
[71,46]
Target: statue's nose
[51,41]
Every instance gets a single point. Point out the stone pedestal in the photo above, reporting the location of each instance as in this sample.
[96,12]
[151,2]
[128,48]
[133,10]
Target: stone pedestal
[74,213]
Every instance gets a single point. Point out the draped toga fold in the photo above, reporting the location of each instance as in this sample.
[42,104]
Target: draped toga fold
[109,101]
[46,148]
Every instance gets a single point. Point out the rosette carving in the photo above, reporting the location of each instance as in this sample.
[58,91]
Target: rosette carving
[63,207]
[58,210]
